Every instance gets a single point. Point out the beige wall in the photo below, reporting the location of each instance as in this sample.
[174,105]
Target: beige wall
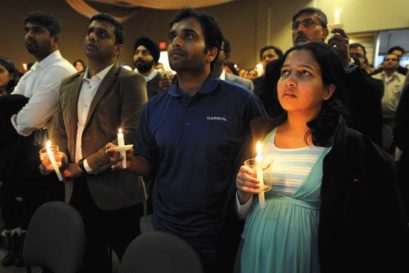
[248,24]
[356,15]
[237,20]
[367,15]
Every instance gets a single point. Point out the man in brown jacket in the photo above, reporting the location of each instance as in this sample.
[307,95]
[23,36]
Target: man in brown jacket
[92,106]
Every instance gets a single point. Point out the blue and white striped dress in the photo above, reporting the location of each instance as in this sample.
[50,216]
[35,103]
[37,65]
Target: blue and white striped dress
[282,237]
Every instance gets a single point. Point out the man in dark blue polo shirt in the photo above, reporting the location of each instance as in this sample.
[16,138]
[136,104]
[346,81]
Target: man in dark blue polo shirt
[193,137]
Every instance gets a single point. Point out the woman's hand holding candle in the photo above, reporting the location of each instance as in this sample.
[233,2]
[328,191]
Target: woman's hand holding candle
[250,179]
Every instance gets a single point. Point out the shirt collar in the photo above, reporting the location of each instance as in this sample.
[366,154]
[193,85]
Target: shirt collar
[393,76]
[100,75]
[48,60]
[209,86]
[151,75]
[223,75]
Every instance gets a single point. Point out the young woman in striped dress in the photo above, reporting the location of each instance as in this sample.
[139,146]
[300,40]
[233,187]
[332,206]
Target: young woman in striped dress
[323,210]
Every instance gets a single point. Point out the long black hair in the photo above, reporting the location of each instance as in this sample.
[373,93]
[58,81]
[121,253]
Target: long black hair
[322,127]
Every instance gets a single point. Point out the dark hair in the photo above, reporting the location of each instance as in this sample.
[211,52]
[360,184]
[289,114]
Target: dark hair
[79,61]
[320,14]
[392,49]
[276,49]
[211,30]
[232,67]
[226,46]
[51,23]
[15,75]
[150,45]
[356,45]
[322,127]
[118,30]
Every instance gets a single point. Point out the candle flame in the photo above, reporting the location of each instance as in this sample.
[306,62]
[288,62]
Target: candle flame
[258,149]
[337,16]
[48,144]
[120,131]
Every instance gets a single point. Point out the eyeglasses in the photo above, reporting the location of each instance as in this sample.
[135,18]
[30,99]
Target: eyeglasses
[307,23]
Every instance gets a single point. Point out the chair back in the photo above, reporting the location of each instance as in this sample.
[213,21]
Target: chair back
[55,238]
[156,251]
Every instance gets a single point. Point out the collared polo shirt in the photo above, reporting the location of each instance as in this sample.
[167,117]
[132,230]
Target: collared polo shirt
[195,144]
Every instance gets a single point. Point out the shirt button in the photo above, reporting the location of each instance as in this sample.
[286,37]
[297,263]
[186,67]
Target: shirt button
[187,123]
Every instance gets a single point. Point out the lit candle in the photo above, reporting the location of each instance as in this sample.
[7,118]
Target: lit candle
[260,178]
[121,142]
[337,16]
[52,159]
[25,67]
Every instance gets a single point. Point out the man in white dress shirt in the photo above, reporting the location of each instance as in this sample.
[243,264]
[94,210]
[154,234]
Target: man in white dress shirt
[40,85]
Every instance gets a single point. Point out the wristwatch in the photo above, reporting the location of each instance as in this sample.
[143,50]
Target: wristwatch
[81,165]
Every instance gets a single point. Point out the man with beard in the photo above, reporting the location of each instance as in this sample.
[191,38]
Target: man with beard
[194,137]
[40,85]
[91,107]
[362,98]
[146,56]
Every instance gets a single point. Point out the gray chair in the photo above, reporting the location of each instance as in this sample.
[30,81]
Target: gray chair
[55,239]
[159,252]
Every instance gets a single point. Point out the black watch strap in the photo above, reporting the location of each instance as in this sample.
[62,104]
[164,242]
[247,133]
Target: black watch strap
[81,165]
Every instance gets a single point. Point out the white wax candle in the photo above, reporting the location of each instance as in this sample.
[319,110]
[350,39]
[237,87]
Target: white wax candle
[53,162]
[337,16]
[260,178]
[121,142]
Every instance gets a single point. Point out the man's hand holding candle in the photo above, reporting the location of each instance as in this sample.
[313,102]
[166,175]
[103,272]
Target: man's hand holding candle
[116,157]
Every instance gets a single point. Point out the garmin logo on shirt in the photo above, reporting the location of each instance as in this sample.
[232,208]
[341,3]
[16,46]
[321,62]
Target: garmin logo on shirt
[216,118]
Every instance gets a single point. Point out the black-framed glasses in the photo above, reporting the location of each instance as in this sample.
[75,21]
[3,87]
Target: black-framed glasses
[307,23]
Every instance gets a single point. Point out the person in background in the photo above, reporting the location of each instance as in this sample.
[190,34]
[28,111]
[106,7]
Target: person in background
[334,204]
[219,70]
[231,68]
[358,52]
[399,52]
[252,74]
[268,54]
[194,137]
[9,76]
[393,85]
[146,56]
[401,136]
[12,210]
[79,65]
